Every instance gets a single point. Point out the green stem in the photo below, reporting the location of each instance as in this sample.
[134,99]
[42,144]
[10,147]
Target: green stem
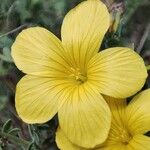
[15,139]
[148,67]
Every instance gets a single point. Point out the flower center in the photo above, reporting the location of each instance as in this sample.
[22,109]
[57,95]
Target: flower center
[78,76]
[125,137]
[120,135]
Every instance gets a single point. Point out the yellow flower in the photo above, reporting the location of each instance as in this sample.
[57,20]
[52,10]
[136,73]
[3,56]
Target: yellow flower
[68,76]
[129,125]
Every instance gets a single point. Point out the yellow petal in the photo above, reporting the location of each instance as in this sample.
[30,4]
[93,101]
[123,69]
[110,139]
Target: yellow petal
[138,113]
[37,51]
[63,142]
[118,146]
[139,142]
[118,72]
[85,117]
[118,133]
[83,30]
[38,99]
[117,108]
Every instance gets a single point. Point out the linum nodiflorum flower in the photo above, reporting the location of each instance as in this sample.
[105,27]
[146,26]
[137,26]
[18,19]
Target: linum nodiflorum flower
[129,125]
[68,76]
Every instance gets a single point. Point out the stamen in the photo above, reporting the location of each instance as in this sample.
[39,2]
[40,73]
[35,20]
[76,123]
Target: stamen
[78,76]
[125,137]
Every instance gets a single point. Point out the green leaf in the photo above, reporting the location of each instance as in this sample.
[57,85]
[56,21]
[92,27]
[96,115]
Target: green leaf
[6,56]
[4,67]
[131,8]
[5,41]
[3,101]
[30,146]
[14,131]
[7,125]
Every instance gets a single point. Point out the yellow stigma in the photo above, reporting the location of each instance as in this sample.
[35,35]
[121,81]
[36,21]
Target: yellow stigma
[78,76]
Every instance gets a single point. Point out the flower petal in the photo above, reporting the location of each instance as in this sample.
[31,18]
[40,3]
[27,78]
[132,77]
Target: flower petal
[37,51]
[118,146]
[38,99]
[85,116]
[139,142]
[118,72]
[63,142]
[138,113]
[118,122]
[83,30]
[117,108]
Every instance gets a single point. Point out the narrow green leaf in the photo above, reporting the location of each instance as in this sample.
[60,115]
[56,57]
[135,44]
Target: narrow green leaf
[14,131]
[6,127]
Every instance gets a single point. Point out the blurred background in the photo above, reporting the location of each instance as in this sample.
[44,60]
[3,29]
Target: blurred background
[130,26]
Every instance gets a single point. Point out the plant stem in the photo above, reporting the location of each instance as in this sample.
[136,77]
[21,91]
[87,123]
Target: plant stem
[15,140]
[15,30]
[143,39]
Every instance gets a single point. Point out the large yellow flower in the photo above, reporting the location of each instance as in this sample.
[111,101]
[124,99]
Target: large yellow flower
[68,76]
[129,125]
